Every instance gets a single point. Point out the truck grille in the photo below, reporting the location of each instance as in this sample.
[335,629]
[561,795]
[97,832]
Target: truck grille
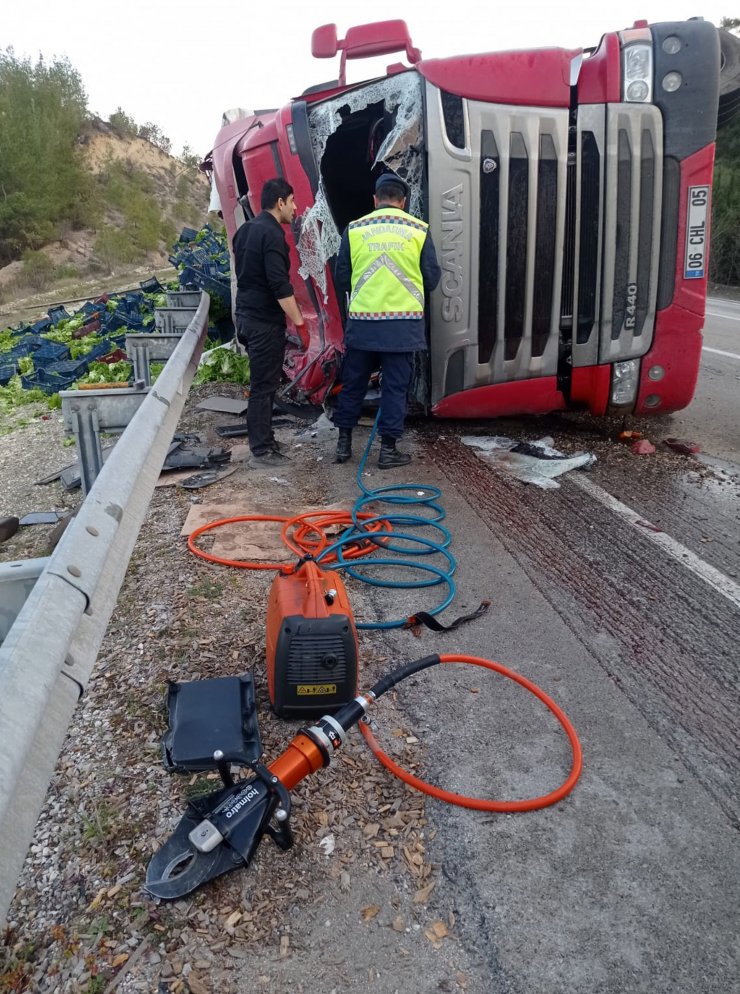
[548,239]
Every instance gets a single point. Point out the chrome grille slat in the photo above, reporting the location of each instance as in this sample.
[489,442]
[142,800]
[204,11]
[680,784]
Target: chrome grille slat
[632,210]
[585,304]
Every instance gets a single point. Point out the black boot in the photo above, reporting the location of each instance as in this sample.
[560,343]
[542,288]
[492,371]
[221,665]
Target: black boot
[389,454]
[344,445]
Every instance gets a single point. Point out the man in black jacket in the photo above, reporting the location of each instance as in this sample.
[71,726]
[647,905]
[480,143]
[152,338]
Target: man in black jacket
[264,297]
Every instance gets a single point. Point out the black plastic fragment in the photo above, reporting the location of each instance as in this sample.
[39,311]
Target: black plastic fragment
[210,715]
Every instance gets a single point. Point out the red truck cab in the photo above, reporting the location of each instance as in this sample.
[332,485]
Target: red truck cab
[568,194]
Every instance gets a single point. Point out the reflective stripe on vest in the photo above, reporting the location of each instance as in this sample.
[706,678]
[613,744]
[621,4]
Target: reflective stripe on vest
[386,277]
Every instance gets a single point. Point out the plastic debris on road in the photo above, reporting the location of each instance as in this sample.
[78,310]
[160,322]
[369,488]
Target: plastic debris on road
[322,428]
[535,462]
[681,446]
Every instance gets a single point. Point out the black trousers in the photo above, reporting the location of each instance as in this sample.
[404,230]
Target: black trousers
[397,369]
[265,345]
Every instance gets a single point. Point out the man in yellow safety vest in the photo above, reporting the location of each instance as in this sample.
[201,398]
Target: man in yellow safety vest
[386,263]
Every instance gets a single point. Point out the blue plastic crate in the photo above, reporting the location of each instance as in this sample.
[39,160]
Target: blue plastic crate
[99,350]
[50,352]
[216,288]
[211,269]
[56,376]
[43,325]
[57,314]
[68,367]
[151,286]
[114,320]
[49,382]
[7,372]
[19,351]
[188,234]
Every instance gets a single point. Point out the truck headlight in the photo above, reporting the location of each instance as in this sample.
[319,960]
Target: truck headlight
[637,65]
[625,379]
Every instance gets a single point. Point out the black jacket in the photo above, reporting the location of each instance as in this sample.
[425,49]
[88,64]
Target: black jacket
[262,267]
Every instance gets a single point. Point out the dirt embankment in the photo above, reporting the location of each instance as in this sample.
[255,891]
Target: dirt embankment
[75,269]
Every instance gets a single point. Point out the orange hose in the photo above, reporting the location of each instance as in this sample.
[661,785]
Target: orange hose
[479,804]
[295,533]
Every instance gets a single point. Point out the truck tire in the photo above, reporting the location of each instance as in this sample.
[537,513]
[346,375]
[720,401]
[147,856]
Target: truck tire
[729,77]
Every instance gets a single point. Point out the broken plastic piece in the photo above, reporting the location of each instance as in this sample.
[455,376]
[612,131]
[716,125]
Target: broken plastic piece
[531,462]
[223,405]
[237,430]
[684,448]
[184,457]
[42,517]
[206,478]
[206,716]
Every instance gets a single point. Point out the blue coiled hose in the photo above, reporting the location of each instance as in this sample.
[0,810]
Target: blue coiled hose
[404,495]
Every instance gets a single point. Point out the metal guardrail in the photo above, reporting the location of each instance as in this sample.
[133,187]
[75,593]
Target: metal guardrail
[49,651]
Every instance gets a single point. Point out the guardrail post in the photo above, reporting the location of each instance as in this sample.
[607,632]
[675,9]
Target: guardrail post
[86,428]
[146,348]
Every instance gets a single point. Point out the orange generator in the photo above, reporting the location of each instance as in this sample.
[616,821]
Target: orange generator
[311,643]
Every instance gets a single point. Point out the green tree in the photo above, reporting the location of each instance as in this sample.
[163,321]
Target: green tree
[153,133]
[122,124]
[724,266]
[42,179]
[189,157]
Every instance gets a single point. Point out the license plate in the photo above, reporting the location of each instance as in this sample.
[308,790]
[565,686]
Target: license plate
[696,233]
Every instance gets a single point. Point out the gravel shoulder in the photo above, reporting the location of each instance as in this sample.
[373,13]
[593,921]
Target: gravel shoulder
[355,904]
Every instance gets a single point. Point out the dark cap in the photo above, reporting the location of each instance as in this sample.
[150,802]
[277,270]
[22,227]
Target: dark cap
[387,178]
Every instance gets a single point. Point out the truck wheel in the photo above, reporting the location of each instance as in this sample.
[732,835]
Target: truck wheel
[729,77]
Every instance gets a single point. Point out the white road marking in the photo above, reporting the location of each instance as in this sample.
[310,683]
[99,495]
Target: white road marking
[731,314]
[721,583]
[730,355]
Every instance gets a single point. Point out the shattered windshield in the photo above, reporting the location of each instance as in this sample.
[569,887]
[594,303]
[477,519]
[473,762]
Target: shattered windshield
[355,137]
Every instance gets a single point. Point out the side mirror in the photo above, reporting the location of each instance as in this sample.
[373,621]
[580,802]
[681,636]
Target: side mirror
[324,42]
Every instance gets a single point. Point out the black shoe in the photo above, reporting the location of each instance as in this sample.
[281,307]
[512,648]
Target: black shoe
[272,459]
[280,447]
[390,456]
[344,445]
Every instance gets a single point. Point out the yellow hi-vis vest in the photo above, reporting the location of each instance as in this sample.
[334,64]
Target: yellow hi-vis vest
[385,248]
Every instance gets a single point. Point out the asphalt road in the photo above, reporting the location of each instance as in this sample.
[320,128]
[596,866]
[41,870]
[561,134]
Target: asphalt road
[619,595]
[714,410]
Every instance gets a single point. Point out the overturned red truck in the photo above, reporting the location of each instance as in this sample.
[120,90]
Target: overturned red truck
[568,194]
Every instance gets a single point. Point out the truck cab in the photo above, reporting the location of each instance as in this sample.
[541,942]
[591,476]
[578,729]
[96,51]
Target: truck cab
[568,194]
